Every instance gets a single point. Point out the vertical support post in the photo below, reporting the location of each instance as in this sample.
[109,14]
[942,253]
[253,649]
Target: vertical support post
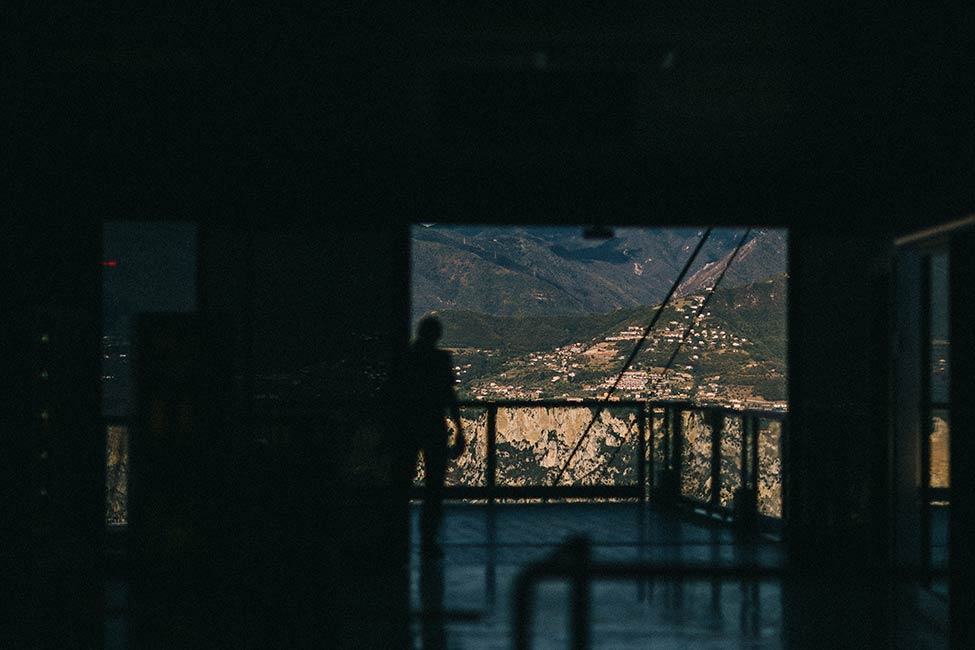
[491,468]
[648,418]
[646,484]
[668,435]
[717,430]
[746,498]
[641,467]
[754,447]
[669,488]
[745,424]
[678,451]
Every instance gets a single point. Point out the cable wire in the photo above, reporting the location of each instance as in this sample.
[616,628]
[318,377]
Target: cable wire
[636,350]
[683,339]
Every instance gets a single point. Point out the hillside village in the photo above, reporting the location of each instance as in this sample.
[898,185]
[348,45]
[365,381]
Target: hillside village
[588,370]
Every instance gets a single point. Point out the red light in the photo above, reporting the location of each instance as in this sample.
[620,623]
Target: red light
[111,263]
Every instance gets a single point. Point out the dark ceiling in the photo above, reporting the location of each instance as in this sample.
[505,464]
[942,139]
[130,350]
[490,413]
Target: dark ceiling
[584,112]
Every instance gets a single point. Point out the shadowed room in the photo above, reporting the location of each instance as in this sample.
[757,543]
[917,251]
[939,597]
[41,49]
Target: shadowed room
[695,281]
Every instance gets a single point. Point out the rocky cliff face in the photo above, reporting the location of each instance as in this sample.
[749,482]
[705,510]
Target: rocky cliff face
[533,444]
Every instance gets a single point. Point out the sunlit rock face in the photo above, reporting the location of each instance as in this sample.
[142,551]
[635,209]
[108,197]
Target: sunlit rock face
[534,445]
[939,452]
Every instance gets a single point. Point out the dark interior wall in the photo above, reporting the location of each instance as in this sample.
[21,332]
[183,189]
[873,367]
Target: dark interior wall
[658,116]
[836,453]
[326,302]
[908,432]
[837,430]
[52,470]
[962,451]
[320,287]
[267,115]
[879,131]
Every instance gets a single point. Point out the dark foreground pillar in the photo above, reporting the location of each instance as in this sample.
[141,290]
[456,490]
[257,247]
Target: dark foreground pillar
[52,444]
[835,454]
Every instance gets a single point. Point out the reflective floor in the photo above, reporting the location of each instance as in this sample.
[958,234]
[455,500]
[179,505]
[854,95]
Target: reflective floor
[483,554]
[482,557]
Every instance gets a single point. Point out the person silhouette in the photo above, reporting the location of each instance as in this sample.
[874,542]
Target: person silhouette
[430,397]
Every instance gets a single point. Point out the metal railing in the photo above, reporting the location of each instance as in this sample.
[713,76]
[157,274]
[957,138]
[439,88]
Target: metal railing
[720,461]
[502,481]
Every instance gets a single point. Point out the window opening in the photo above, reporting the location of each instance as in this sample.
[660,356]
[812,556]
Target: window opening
[540,322]
[146,266]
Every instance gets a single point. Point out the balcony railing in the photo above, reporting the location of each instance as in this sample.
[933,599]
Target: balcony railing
[719,461]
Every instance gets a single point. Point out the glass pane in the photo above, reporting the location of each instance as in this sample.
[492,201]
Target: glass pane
[940,452]
[770,468]
[940,343]
[695,475]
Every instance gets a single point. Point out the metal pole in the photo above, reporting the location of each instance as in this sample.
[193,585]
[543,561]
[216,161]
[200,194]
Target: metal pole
[648,414]
[668,438]
[745,423]
[641,467]
[754,462]
[717,429]
[491,479]
[491,468]
[678,449]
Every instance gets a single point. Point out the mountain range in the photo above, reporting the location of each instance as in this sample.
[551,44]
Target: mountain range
[534,271]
